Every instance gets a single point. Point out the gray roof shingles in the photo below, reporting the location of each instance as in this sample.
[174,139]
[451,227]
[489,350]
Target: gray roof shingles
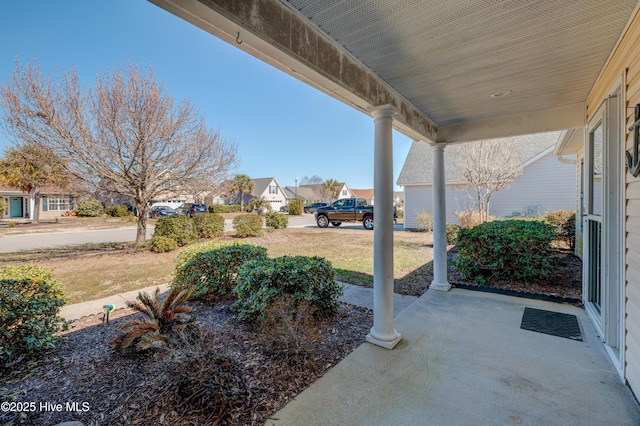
[417,168]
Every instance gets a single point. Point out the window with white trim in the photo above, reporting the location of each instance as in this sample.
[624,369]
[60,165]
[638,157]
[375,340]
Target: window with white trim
[273,189]
[57,203]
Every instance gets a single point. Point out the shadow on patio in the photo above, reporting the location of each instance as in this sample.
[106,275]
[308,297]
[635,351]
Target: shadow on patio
[464,360]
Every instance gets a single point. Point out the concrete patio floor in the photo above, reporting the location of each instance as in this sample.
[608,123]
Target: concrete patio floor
[464,360]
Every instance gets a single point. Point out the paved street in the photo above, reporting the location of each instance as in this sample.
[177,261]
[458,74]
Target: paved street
[60,238]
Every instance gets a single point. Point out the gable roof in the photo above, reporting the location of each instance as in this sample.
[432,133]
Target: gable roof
[418,167]
[260,185]
[367,194]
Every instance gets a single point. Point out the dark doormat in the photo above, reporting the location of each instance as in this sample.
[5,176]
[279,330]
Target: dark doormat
[554,323]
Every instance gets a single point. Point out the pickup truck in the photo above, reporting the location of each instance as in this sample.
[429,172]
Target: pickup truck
[345,210]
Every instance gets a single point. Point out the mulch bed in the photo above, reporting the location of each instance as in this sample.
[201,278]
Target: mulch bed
[564,285]
[180,385]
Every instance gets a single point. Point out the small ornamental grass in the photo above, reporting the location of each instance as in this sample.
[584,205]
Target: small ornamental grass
[248,225]
[262,281]
[30,300]
[506,249]
[212,274]
[166,319]
[276,220]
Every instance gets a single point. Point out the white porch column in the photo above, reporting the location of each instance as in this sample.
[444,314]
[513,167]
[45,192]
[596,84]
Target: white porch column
[440,281]
[383,333]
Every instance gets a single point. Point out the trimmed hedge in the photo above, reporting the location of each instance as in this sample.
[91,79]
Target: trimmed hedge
[506,249]
[248,225]
[119,210]
[179,228]
[209,225]
[295,207]
[276,220]
[213,273]
[452,233]
[222,208]
[160,244]
[90,208]
[263,281]
[30,300]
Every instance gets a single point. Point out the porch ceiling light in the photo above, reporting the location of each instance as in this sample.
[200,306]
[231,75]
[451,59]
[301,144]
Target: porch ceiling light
[500,94]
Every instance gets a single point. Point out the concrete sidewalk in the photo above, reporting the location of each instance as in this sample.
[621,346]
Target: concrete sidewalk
[465,361]
[353,294]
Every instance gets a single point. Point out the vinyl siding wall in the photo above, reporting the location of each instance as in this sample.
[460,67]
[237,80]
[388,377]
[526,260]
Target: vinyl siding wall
[625,60]
[548,184]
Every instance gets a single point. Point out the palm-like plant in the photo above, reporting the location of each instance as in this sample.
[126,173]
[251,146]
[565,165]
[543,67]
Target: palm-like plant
[242,184]
[164,319]
[332,188]
[260,203]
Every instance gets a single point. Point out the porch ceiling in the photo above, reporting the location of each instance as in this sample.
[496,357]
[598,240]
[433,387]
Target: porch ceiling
[444,59]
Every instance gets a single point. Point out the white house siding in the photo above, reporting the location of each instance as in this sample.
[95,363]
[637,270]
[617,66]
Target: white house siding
[547,184]
[632,227]
[625,60]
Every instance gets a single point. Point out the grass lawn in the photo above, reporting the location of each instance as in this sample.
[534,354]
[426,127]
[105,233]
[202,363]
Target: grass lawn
[93,271]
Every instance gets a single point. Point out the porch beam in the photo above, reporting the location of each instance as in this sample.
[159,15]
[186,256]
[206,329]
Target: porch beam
[383,332]
[548,120]
[440,280]
[279,35]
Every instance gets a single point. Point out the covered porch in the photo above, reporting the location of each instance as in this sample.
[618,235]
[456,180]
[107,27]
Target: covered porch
[464,360]
[453,72]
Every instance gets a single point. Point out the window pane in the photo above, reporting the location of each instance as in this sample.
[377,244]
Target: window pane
[596,141]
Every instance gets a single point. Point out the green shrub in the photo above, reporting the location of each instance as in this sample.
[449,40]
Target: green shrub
[506,249]
[90,208]
[3,205]
[188,252]
[565,223]
[276,220]
[210,274]
[209,225]
[179,228]
[262,281]
[222,208]
[119,210]
[248,225]
[452,233]
[159,244]
[295,207]
[30,300]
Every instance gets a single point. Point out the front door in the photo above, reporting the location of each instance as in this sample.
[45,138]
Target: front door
[603,281]
[15,207]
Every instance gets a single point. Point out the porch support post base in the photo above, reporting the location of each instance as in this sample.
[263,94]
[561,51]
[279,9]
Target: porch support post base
[385,343]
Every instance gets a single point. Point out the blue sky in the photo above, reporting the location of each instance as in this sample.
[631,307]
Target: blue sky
[283,127]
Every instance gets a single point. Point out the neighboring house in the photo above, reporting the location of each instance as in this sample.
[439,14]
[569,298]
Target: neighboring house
[54,202]
[367,194]
[317,193]
[547,182]
[270,189]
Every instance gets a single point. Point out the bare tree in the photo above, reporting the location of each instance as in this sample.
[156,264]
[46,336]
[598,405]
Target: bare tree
[488,166]
[306,180]
[125,129]
[29,169]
